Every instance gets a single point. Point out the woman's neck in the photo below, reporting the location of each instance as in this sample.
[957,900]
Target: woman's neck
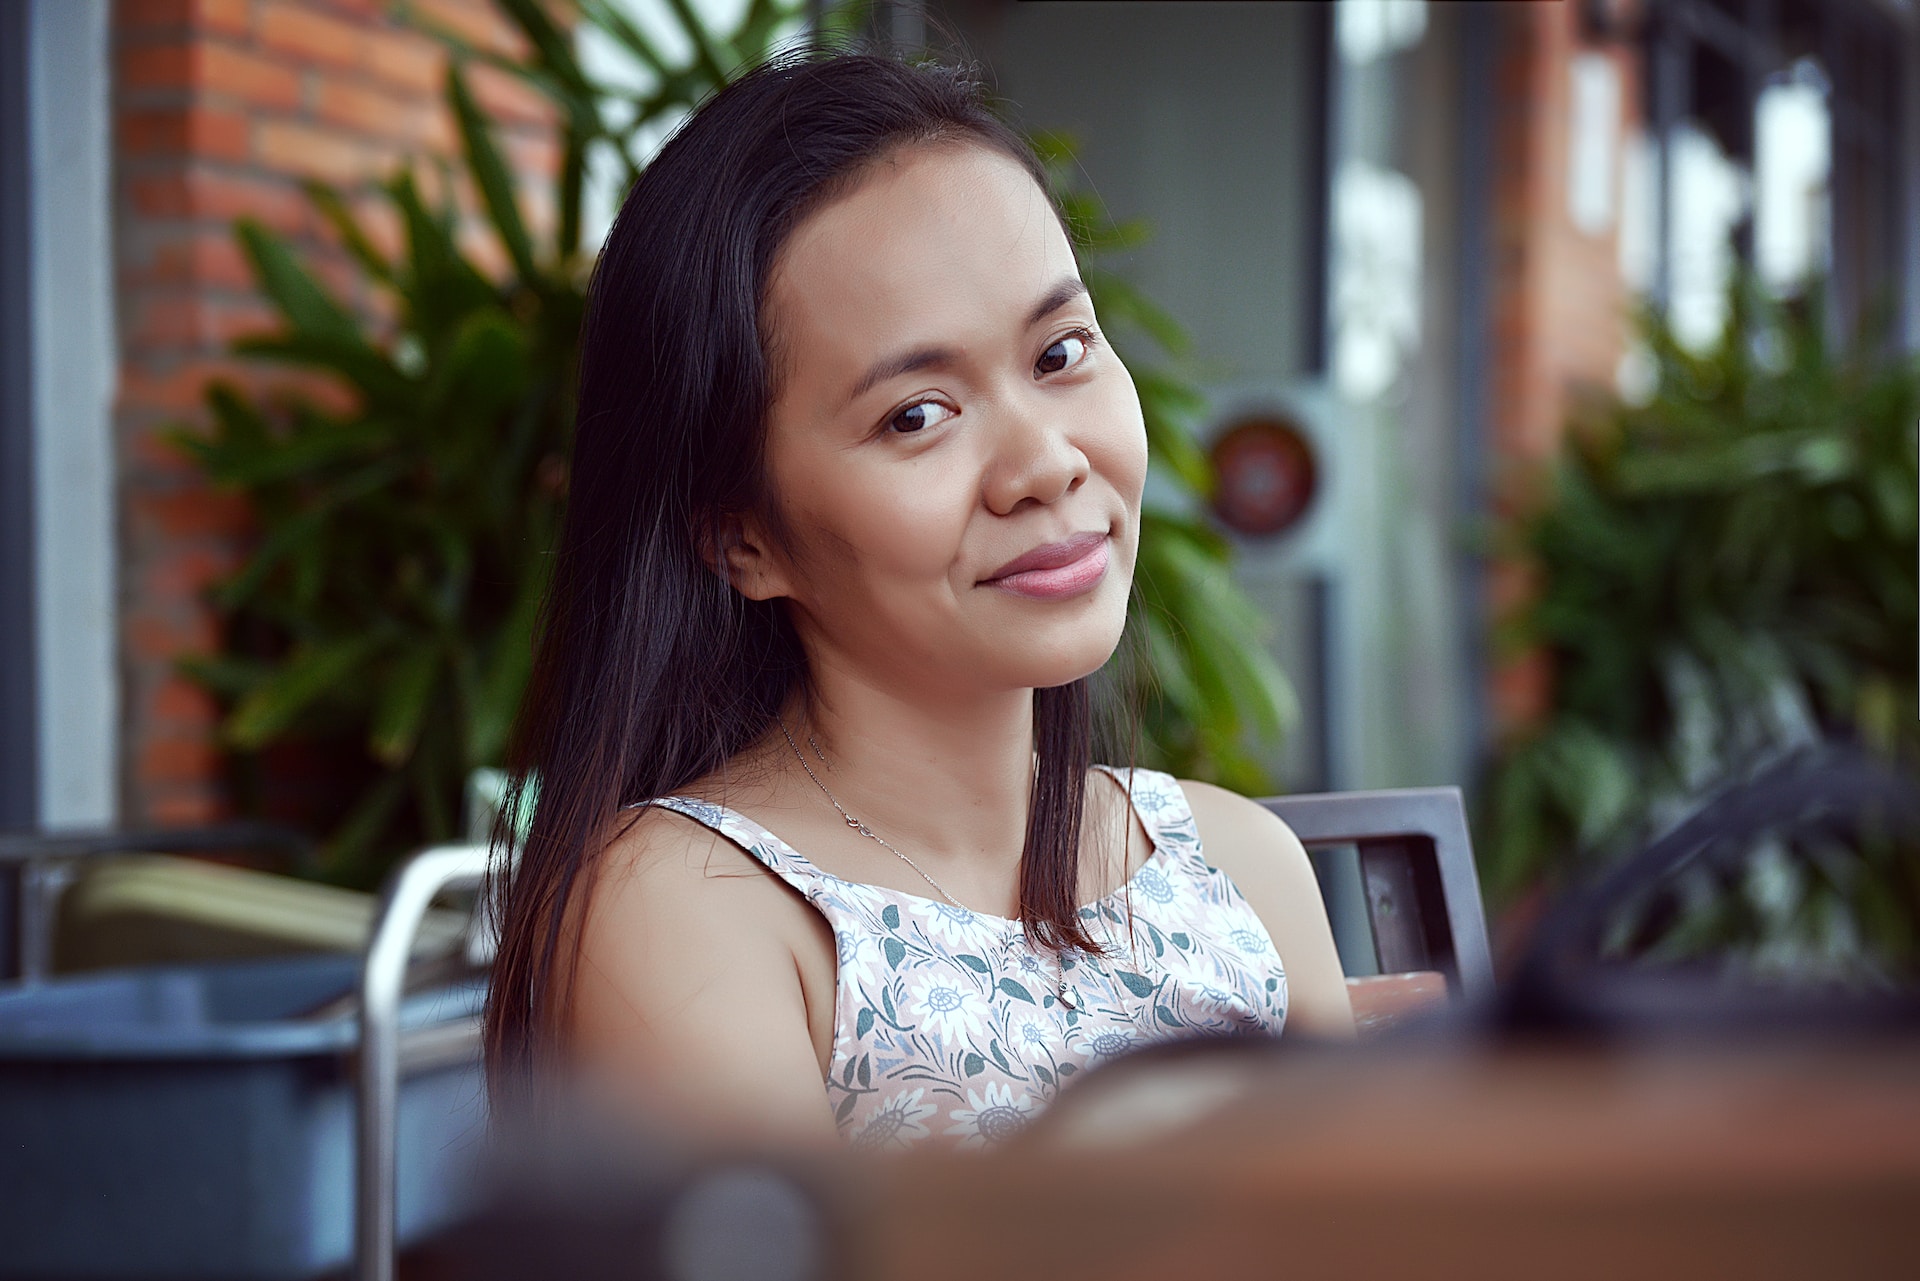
[947,777]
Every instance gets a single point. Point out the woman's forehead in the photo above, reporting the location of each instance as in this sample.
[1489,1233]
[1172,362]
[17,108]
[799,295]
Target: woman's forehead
[948,242]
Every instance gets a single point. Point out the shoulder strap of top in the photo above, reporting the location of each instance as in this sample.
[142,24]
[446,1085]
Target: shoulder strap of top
[1156,798]
[769,850]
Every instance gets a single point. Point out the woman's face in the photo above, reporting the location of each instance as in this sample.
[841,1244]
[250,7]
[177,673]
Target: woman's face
[957,454]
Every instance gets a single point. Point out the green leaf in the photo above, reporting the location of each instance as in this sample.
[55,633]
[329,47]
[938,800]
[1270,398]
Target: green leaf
[1016,991]
[896,952]
[311,674]
[490,174]
[972,1065]
[348,228]
[1138,984]
[403,704]
[972,962]
[308,308]
[864,1023]
[890,916]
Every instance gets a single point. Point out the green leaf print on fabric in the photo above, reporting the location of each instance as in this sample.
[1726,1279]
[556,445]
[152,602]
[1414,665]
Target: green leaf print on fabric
[972,1065]
[891,916]
[1014,989]
[1138,984]
[1165,1015]
[896,951]
[845,1110]
[972,962]
[863,1024]
[866,1069]
[1181,941]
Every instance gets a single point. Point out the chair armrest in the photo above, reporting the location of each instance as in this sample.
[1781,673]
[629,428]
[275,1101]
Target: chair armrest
[1384,1001]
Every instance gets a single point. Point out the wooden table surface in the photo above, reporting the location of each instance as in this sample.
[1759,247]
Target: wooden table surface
[1435,1161]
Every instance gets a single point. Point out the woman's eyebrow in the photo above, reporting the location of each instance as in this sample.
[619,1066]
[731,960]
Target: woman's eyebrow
[1057,297]
[904,363]
[927,357]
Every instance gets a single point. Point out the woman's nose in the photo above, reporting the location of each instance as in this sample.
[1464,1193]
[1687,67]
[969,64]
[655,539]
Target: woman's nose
[1035,459]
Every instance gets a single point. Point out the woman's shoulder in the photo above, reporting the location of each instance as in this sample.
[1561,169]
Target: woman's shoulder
[1245,840]
[663,861]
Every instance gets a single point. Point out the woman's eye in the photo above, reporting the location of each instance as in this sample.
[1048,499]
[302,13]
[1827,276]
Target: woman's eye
[1064,354]
[919,417]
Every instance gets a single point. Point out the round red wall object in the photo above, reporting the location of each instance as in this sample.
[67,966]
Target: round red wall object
[1266,475]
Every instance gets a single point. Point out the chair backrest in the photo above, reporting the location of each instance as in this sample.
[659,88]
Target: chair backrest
[1416,863]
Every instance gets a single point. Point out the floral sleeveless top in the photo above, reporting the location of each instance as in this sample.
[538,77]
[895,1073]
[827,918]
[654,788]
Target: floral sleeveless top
[949,1024]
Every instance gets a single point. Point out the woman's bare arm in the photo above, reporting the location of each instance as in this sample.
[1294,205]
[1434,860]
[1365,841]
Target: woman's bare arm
[687,1006]
[1266,860]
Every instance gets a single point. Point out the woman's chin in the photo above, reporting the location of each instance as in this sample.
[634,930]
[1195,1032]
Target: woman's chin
[1046,661]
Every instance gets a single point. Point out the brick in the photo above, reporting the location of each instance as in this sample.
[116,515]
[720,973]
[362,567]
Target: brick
[477,23]
[228,17]
[252,80]
[383,115]
[151,636]
[206,132]
[148,15]
[165,66]
[189,320]
[183,515]
[307,35]
[406,60]
[195,807]
[191,572]
[207,257]
[225,17]
[180,703]
[198,191]
[327,154]
[509,99]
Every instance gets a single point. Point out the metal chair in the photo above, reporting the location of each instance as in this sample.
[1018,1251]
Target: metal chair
[1423,909]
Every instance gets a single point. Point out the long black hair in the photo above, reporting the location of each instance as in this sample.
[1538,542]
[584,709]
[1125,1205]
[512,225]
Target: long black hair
[650,671]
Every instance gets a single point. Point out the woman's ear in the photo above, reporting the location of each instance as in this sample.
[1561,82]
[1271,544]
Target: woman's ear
[737,548]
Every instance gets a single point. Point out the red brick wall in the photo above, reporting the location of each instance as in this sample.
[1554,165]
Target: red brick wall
[221,106]
[1560,307]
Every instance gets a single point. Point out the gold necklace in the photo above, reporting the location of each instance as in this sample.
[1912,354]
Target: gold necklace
[1069,994]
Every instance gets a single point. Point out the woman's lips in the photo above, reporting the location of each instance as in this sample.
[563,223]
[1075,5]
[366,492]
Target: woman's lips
[1056,570]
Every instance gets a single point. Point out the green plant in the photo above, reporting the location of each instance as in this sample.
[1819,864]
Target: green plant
[1725,571]
[389,601]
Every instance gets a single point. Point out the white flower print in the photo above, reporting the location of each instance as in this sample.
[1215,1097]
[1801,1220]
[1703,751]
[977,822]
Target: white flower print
[1151,885]
[945,1005]
[989,1118]
[1035,1034]
[950,924]
[898,1122]
[859,962]
[1249,942]
[1110,1044]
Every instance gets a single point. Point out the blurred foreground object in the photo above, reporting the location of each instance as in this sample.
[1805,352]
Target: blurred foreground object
[1439,1157]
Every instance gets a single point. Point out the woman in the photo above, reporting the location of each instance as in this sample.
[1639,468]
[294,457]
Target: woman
[855,498]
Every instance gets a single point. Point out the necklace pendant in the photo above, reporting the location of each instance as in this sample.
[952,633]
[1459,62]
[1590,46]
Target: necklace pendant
[1069,996]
